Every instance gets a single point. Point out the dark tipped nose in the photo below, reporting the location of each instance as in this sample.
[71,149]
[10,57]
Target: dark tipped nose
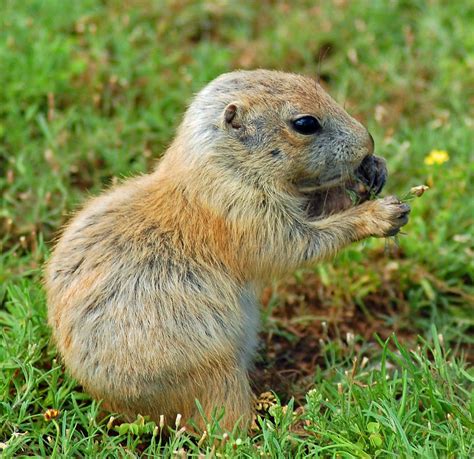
[370,144]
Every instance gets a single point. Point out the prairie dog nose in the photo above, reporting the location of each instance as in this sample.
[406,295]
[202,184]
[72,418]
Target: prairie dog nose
[370,144]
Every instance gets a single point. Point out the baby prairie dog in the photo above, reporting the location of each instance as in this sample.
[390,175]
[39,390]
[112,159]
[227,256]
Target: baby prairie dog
[153,286]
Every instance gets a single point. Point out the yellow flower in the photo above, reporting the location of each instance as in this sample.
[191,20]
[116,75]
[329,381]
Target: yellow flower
[437,157]
[51,413]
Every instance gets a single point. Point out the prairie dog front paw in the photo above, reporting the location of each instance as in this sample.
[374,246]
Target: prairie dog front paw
[390,215]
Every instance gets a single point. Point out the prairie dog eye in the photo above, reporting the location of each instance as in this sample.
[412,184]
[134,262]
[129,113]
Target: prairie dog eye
[306,125]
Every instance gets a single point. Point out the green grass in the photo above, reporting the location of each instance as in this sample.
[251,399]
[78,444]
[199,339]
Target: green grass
[91,91]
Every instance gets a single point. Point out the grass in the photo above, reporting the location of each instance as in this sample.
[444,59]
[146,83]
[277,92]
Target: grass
[380,340]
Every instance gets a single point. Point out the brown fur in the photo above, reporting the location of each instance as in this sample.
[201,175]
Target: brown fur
[153,287]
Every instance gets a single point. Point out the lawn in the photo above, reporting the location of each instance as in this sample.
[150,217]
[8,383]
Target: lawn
[369,355]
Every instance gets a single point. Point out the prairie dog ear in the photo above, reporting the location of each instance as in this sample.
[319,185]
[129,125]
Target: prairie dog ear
[233,115]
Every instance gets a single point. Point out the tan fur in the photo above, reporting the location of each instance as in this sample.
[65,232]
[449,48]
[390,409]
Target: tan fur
[153,286]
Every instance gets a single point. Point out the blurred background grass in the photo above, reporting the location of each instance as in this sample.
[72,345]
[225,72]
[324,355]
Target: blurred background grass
[92,91]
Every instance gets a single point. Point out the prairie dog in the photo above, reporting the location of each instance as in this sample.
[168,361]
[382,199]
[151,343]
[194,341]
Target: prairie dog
[153,286]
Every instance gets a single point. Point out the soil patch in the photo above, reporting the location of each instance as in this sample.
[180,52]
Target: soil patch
[303,321]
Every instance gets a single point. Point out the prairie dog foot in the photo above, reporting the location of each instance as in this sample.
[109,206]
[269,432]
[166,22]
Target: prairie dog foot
[391,214]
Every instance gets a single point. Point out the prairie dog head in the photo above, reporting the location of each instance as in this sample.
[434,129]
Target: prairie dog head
[274,129]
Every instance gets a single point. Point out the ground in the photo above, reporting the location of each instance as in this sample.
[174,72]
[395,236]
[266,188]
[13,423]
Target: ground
[367,355]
